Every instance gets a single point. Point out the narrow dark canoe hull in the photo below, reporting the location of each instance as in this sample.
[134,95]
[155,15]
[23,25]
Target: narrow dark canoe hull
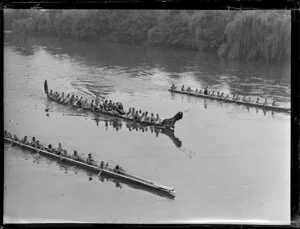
[129,179]
[113,115]
[281,109]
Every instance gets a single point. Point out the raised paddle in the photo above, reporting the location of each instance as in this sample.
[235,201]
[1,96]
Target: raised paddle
[46,87]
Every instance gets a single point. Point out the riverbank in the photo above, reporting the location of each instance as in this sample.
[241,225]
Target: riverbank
[263,35]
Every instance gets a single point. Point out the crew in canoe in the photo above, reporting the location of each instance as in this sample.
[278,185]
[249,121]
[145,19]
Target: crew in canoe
[157,119]
[79,102]
[102,165]
[90,160]
[38,145]
[205,91]
[93,105]
[61,98]
[50,149]
[266,102]
[67,99]
[145,118]
[60,150]
[24,140]
[118,169]
[16,138]
[128,113]
[58,95]
[33,142]
[136,117]
[8,135]
[152,118]
[114,108]
[75,156]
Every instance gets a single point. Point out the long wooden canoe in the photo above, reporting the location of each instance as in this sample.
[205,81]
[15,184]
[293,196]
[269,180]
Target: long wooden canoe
[115,115]
[130,179]
[266,107]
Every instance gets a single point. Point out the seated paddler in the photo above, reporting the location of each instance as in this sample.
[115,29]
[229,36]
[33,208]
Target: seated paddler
[182,88]
[257,101]
[33,141]
[90,160]
[136,117]
[9,135]
[93,105]
[62,97]
[145,118]
[16,138]
[274,103]
[266,102]
[50,149]
[67,99]
[173,87]
[72,98]
[75,100]
[38,145]
[128,113]
[79,102]
[205,91]
[105,104]
[84,104]
[119,108]
[189,89]
[109,105]
[152,118]
[75,156]
[24,140]
[157,119]
[59,150]
[117,169]
[56,95]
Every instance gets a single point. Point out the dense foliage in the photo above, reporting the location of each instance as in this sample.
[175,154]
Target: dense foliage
[247,35]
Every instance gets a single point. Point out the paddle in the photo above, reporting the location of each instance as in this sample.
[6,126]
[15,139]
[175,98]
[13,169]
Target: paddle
[46,87]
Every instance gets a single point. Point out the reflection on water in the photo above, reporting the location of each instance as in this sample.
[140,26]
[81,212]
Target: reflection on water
[222,142]
[112,122]
[106,60]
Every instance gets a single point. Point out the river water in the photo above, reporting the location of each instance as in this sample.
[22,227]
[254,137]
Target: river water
[227,162]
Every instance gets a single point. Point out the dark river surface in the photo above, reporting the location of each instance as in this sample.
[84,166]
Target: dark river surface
[227,162]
